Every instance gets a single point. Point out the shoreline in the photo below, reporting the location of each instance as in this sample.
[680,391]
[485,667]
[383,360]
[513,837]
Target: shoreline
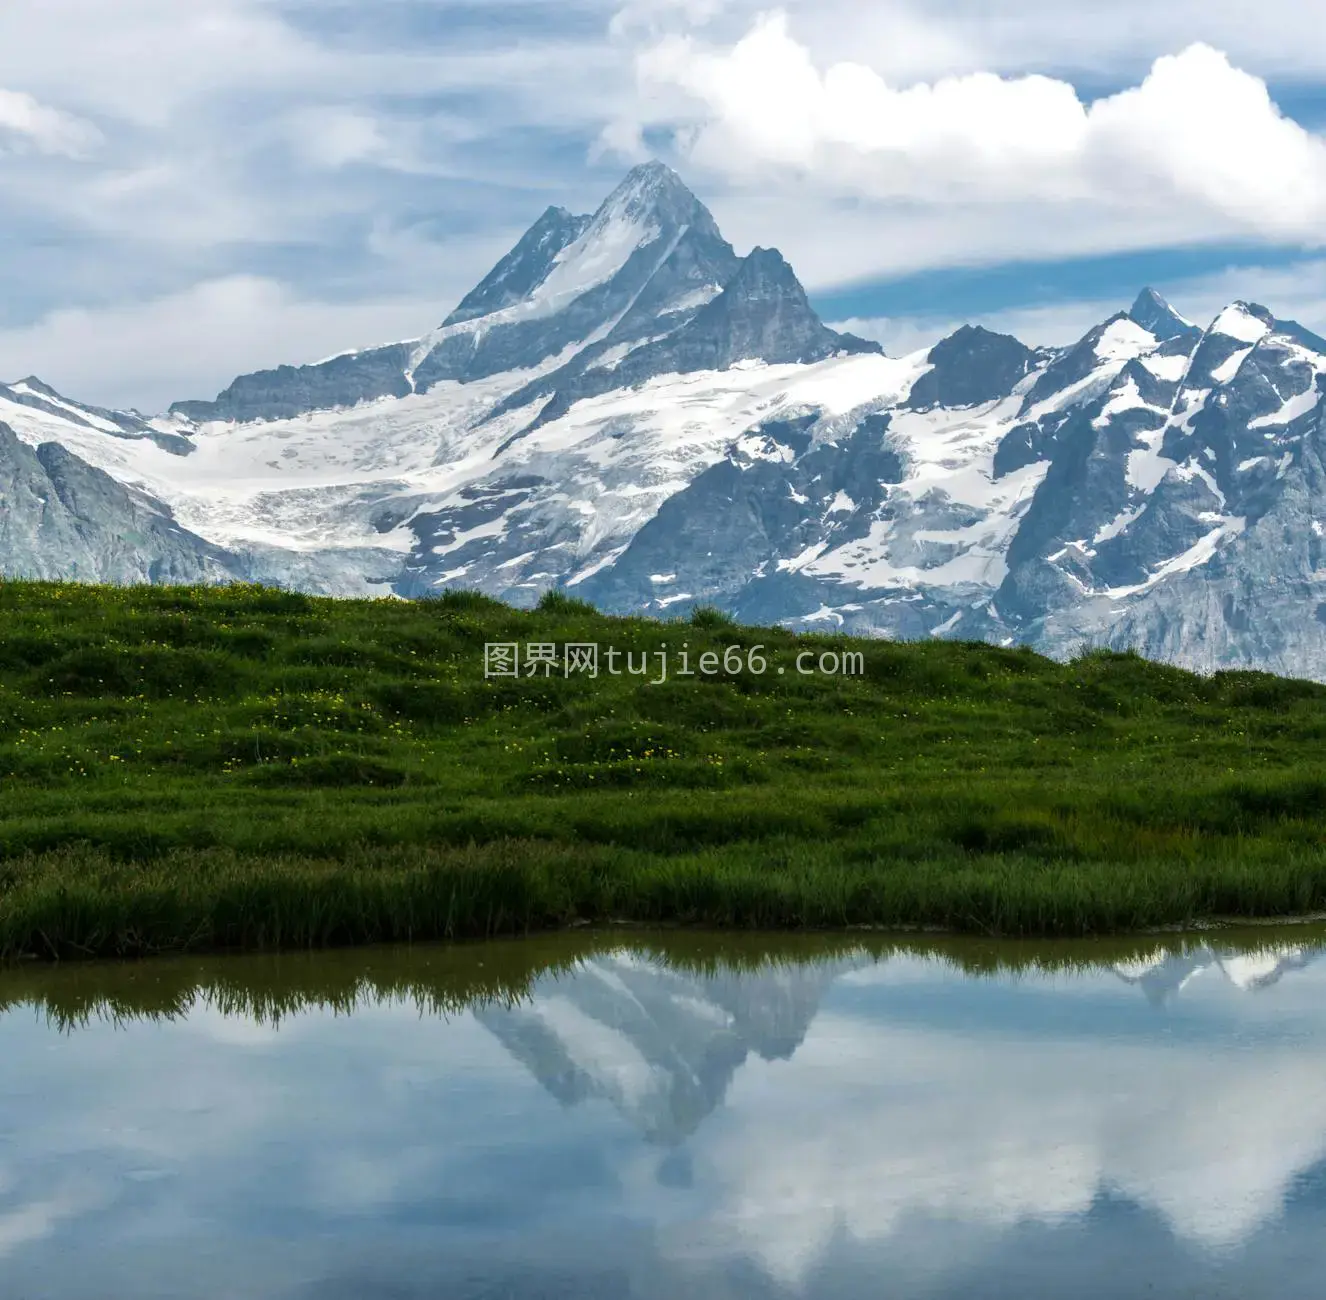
[84,905]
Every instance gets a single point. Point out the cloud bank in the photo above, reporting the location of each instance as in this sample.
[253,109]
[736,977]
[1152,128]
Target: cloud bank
[217,329]
[1197,138]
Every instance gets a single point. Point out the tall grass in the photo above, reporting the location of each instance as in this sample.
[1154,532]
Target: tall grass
[236,767]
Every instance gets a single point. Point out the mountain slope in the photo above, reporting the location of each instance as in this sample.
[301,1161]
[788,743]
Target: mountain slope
[524,268]
[568,283]
[63,519]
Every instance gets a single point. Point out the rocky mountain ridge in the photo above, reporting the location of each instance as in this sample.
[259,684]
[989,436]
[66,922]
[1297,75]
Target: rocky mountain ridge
[626,408]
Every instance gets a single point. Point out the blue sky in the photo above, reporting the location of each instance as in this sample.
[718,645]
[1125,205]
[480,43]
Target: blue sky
[193,190]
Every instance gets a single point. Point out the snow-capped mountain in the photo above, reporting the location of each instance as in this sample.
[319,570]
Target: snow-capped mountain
[626,408]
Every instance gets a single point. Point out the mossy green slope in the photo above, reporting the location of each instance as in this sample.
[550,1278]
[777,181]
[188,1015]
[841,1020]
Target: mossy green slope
[245,767]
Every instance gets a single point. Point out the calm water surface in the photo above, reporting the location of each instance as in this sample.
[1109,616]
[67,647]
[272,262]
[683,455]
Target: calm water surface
[649,1117]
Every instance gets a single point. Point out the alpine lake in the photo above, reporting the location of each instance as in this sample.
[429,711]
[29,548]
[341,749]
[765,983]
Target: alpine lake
[654,1115]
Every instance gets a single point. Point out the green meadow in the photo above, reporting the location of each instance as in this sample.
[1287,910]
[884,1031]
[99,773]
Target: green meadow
[246,768]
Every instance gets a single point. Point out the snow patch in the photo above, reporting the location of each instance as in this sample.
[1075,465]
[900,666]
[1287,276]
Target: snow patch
[1169,369]
[1117,524]
[1237,322]
[822,615]
[601,563]
[1128,398]
[1197,554]
[1228,368]
[1123,340]
[1292,410]
[1146,466]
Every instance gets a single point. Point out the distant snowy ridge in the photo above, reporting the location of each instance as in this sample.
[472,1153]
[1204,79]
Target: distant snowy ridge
[626,407]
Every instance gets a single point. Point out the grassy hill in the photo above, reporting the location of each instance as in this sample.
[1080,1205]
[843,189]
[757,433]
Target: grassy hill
[244,767]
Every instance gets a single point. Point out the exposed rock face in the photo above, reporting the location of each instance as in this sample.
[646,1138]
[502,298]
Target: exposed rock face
[62,519]
[762,314]
[524,268]
[971,367]
[1158,318]
[292,390]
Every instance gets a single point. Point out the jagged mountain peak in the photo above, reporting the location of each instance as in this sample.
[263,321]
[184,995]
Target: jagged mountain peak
[651,248]
[1248,322]
[563,257]
[763,312]
[1156,316]
[1148,299]
[653,199]
[563,252]
[524,268]
[967,332]
[972,365]
[766,268]
[646,183]
[1111,344]
[1256,309]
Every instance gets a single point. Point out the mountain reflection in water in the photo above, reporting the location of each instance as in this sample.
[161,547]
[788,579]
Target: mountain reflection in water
[649,1116]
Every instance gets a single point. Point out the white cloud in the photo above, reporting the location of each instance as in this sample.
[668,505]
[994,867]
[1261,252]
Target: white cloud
[192,343]
[25,123]
[39,1220]
[335,135]
[1103,39]
[332,136]
[146,61]
[656,16]
[1198,137]
[1107,36]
